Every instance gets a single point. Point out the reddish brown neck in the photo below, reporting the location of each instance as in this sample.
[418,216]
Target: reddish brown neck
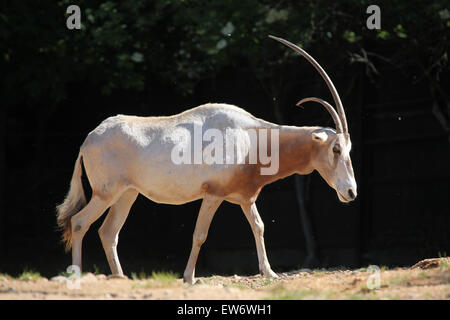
[296,148]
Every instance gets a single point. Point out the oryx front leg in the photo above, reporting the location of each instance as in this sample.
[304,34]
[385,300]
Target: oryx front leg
[208,208]
[109,231]
[257,225]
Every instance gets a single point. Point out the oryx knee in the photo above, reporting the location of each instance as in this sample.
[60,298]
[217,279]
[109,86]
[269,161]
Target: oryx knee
[259,228]
[79,227]
[107,238]
[199,238]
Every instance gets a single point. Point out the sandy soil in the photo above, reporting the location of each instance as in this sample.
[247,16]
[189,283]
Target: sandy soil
[429,279]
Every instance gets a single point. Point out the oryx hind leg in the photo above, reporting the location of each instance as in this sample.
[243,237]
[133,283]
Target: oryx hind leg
[81,222]
[109,231]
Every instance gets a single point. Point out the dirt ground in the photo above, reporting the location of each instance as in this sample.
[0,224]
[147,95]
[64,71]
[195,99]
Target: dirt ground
[429,279]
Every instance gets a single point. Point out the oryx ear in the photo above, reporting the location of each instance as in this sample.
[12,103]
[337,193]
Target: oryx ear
[320,136]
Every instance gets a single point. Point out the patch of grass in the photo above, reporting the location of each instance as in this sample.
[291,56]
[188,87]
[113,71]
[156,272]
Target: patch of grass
[29,275]
[295,294]
[399,281]
[237,285]
[156,280]
[319,272]
[444,264]
[64,274]
[139,276]
[264,282]
[214,280]
[363,269]
[96,270]
[279,292]
[164,278]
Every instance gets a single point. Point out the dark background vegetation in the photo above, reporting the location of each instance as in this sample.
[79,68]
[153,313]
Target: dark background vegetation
[161,57]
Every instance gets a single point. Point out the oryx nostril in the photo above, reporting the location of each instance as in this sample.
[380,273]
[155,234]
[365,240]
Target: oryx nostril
[351,194]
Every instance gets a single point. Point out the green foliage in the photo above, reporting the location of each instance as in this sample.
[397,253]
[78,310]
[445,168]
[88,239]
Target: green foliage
[29,275]
[129,44]
[155,275]
[96,270]
[139,276]
[156,280]
[445,264]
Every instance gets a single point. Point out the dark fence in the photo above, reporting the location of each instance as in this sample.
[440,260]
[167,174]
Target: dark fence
[400,154]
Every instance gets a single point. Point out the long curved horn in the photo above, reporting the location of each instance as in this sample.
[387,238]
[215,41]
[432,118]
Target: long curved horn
[337,100]
[333,113]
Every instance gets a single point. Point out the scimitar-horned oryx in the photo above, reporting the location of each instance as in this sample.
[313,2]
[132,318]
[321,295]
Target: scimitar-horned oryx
[128,155]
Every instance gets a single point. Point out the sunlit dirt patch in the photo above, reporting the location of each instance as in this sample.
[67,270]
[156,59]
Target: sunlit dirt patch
[433,282]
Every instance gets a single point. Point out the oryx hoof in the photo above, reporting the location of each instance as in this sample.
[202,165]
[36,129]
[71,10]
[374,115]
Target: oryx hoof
[189,280]
[269,274]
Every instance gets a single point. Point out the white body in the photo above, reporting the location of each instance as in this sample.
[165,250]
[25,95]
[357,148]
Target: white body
[128,155]
[135,152]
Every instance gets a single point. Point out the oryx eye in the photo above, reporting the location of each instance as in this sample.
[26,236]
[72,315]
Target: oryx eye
[337,149]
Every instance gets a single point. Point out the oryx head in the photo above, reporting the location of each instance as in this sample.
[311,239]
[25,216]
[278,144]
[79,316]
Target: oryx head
[332,159]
